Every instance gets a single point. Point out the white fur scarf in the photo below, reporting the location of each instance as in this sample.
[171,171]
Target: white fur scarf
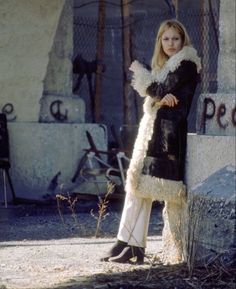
[143,185]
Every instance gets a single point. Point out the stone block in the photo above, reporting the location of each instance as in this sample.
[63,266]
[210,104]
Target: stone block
[41,151]
[216,114]
[206,154]
[211,218]
[63,109]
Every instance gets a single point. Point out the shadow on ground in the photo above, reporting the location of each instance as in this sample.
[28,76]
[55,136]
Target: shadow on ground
[159,276]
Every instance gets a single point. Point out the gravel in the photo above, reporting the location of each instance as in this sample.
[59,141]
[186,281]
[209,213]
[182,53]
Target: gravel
[42,248]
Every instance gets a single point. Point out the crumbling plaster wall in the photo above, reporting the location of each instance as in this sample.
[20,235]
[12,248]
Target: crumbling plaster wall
[227,60]
[35,54]
[210,228]
[27,30]
[58,79]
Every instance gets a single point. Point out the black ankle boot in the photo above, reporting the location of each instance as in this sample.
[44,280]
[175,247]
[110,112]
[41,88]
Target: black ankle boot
[128,253]
[115,250]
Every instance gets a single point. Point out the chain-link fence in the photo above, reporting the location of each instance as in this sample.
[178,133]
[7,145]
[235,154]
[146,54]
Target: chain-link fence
[203,30]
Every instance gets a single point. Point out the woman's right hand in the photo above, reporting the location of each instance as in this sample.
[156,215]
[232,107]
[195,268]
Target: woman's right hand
[168,100]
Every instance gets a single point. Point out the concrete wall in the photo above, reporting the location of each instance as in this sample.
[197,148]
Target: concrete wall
[227,61]
[207,154]
[52,149]
[27,31]
[58,78]
[209,176]
[214,146]
[45,120]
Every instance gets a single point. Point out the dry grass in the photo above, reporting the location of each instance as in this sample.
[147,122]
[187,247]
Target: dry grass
[102,208]
[70,202]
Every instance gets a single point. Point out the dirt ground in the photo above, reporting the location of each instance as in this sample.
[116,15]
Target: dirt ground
[43,247]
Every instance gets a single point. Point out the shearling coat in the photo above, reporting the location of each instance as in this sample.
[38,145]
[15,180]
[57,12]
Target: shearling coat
[166,149]
[157,163]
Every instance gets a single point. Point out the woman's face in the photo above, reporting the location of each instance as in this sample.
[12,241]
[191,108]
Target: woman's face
[171,41]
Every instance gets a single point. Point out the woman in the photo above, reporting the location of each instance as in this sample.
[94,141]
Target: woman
[156,169]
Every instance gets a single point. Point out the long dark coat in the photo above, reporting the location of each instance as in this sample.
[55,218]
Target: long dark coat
[157,165]
[166,150]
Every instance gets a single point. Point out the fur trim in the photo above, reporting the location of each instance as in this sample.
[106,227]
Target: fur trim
[140,148]
[142,78]
[187,53]
[161,189]
[136,182]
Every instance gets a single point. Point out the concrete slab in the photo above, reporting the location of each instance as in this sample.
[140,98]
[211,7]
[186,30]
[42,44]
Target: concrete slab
[211,218]
[206,154]
[40,151]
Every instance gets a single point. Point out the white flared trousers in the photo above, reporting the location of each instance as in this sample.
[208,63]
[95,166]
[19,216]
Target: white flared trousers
[134,222]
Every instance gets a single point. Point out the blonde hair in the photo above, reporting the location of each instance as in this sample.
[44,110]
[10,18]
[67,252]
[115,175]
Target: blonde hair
[159,57]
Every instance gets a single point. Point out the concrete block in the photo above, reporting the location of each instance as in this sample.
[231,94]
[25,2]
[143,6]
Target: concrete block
[216,114]
[39,151]
[64,109]
[206,154]
[211,218]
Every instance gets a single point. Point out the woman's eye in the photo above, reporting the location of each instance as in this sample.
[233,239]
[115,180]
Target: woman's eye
[167,39]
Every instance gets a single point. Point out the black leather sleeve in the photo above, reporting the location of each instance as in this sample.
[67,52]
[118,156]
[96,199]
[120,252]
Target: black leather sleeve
[184,73]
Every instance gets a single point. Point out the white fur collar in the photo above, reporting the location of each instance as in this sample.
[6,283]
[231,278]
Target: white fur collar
[142,78]
[186,53]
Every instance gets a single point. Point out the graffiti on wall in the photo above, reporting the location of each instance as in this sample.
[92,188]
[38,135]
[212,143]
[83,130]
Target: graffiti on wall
[222,114]
[55,110]
[8,110]
[61,109]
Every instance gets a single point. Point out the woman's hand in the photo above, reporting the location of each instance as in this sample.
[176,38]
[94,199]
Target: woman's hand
[169,100]
[135,65]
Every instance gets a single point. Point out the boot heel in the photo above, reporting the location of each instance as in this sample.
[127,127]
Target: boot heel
[140,256]
[115,250]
